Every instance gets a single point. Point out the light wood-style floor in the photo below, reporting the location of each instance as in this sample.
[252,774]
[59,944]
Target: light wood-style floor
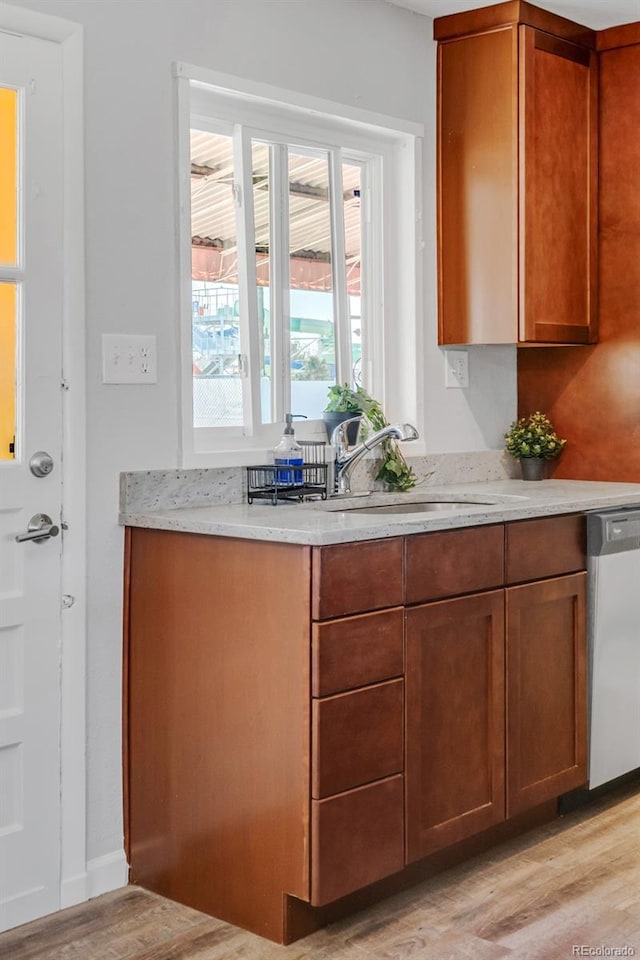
[574,883]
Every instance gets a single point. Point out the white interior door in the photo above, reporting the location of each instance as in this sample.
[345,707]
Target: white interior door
[30,408]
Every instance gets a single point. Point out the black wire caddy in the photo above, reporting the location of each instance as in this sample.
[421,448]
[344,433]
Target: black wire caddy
[285,483]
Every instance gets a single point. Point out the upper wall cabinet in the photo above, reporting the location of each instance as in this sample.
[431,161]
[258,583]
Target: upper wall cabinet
[517,178]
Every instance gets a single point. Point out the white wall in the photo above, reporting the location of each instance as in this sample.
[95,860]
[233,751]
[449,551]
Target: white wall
[359,52]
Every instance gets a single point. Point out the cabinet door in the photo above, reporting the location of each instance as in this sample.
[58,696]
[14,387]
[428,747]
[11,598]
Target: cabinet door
[478,188]
[558,201]
[546,690]
[455,720]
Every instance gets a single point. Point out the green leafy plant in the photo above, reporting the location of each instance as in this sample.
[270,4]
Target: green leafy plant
[533,436]
[344,399]
[394,471]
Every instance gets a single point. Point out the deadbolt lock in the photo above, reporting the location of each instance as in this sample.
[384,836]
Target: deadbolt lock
[41,464]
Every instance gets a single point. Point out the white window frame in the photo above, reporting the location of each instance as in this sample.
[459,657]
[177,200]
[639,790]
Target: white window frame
[391,152]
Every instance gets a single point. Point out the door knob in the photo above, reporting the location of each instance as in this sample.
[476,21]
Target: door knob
[41,527]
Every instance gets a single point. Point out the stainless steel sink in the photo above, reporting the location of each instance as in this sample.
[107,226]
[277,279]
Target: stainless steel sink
[422,506]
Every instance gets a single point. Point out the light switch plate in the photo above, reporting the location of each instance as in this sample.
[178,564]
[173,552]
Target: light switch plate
[456,368]
[129,358]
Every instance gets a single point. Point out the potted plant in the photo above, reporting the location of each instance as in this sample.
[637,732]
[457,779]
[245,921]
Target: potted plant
[532,440]
[343,403]
[343,400]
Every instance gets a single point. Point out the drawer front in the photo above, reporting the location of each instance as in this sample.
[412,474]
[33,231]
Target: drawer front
[356,651]
[357,738]
[548,547]
[354,577]
[356,839]
[452,562]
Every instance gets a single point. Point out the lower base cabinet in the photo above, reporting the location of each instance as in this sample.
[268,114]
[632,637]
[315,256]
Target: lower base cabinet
[516,655]
[373,704]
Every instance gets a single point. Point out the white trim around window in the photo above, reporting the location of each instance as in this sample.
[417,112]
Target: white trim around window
[390,151]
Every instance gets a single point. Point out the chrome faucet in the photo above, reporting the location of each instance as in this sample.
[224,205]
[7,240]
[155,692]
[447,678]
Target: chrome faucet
[346,460]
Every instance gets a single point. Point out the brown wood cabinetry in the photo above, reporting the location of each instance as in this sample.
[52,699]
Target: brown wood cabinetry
[445,564]
[455,720]
[354,577]
[458,694]
[349,720]
[517,178]
[546,690]
[593,395]
[355,651]
[357,835]
[357,737]
[548,547]
[216,723]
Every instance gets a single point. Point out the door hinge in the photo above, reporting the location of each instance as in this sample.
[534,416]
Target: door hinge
[67,601]
[237,194]
[64,384]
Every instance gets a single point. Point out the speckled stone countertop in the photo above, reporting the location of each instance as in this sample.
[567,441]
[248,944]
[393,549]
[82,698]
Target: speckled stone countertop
[345,520]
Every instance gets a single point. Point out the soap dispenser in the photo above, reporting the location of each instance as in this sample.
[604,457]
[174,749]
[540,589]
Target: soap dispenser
[287,455]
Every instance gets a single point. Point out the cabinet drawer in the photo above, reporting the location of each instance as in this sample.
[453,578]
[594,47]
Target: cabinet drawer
[453,562]
[356,738]
[356,839]
[538,549]
[355,651]
[354,577]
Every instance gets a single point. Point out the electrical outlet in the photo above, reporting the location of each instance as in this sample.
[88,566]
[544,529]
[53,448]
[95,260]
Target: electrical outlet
[128,358]
[456,368]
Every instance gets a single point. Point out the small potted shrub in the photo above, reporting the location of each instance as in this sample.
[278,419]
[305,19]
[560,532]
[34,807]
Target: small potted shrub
[532,440]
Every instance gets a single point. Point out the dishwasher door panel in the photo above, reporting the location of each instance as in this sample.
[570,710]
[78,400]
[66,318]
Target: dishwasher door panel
[615,666]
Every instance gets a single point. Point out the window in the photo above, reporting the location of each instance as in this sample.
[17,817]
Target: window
[289,248]
[9,266]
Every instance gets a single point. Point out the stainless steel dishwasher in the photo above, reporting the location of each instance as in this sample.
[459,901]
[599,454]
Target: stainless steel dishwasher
[613,548]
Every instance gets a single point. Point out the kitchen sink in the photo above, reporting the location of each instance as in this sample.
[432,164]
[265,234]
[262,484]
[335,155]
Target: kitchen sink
[422,506]
[370,503]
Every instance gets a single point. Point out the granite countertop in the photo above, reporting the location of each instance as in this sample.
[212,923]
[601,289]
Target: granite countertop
[341,520]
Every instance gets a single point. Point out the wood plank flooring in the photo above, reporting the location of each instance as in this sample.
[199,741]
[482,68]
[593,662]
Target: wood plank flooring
[572,883]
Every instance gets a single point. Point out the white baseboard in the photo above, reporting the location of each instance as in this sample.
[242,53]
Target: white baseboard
[74,890]
[106,873]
